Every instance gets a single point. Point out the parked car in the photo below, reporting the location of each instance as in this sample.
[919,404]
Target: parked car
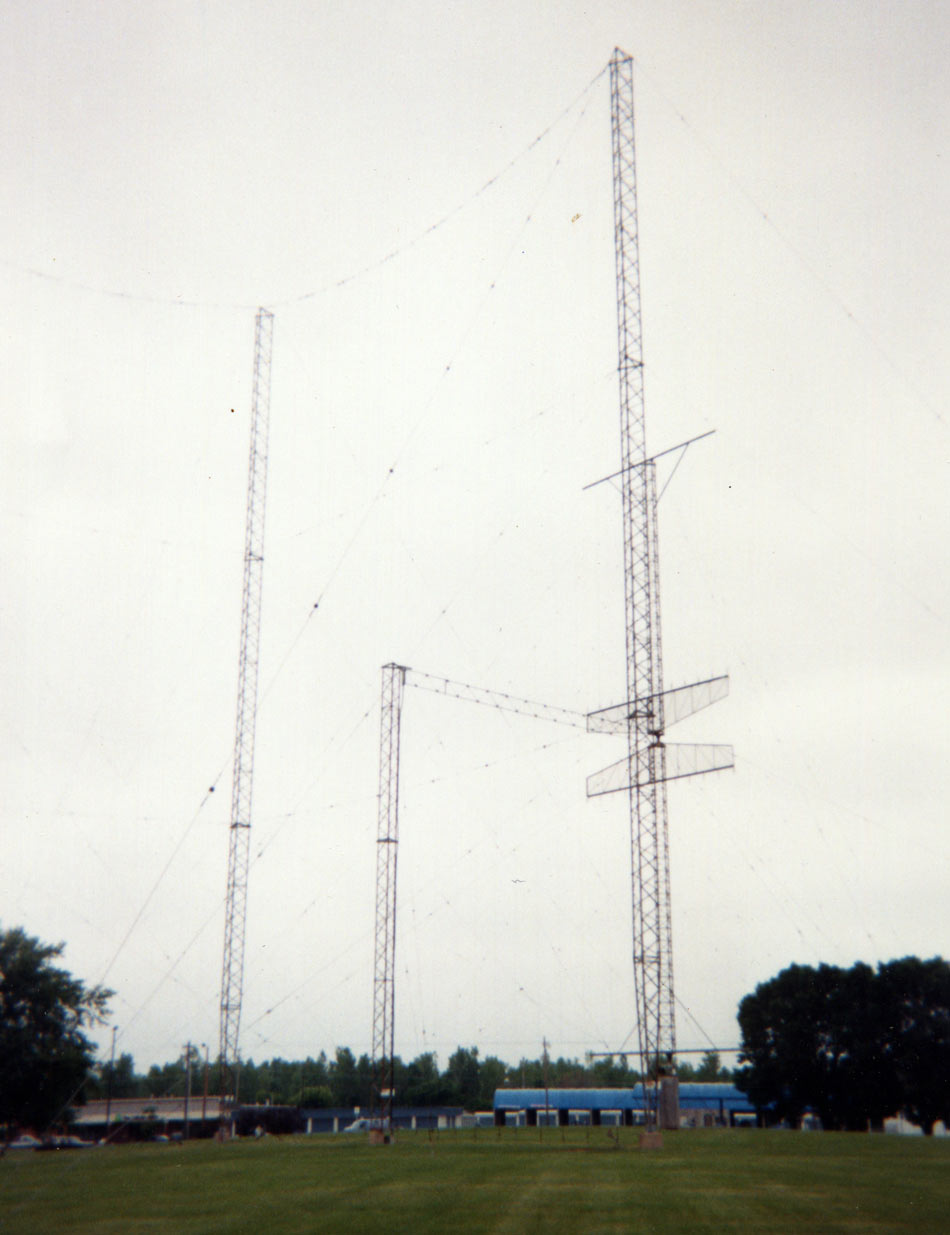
[25,1141]
[364,1125]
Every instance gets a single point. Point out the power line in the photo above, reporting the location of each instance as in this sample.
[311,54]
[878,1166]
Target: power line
[439,223]
[331,285]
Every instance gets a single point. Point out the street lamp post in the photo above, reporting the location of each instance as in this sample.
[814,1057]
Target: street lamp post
[204,1096]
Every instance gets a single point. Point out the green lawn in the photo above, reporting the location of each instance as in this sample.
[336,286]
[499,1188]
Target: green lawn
[578,1180]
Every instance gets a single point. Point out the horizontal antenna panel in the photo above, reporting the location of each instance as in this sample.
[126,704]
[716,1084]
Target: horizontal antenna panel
[660,763]
[658,712]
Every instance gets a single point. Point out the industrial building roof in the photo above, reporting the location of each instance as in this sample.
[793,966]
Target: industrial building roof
[694,1095]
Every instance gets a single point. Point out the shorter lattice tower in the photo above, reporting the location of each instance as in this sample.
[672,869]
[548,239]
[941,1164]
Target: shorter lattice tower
[387,852]
[232,970]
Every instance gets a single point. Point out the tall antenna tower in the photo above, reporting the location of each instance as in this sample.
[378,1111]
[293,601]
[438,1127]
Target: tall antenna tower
[232,970]
[653,938]
[650,763]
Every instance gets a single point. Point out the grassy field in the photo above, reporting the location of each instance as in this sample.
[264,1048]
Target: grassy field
[578,1180]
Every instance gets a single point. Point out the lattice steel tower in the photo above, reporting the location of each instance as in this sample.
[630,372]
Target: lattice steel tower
[232,971]
[650,762]
[387,851]
[653,951]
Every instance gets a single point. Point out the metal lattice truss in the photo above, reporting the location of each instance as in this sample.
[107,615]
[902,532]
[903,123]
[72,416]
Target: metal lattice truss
[649,763]
[495,699]
[387,851]
[232,972]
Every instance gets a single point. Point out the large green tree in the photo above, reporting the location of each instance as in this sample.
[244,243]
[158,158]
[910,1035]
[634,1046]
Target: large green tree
[44,1054]
[344,1084]
[708,1070]
[492,1074]
[118,1079]
[853,1045]
[423,1086]
[916,994]
[462,1077]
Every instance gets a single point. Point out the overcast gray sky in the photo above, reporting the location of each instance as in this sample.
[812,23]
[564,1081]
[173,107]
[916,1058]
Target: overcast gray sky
[421,193]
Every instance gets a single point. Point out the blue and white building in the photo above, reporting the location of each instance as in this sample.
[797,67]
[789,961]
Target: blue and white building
[701,1105]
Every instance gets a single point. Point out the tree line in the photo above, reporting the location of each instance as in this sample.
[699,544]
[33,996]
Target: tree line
[851,1045]
[345,1080]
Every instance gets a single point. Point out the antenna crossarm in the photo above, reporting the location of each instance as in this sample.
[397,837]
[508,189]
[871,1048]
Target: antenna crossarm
[494,699]
[639,463]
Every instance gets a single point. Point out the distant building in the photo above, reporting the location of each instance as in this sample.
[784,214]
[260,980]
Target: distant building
[425,1118]
[148,1118]
[701,1105]
[143,1118]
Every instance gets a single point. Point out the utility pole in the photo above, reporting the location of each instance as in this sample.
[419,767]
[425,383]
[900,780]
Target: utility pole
[187,1090]
[204,1095]
[547,1100]
[111,1081]
[232,970]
